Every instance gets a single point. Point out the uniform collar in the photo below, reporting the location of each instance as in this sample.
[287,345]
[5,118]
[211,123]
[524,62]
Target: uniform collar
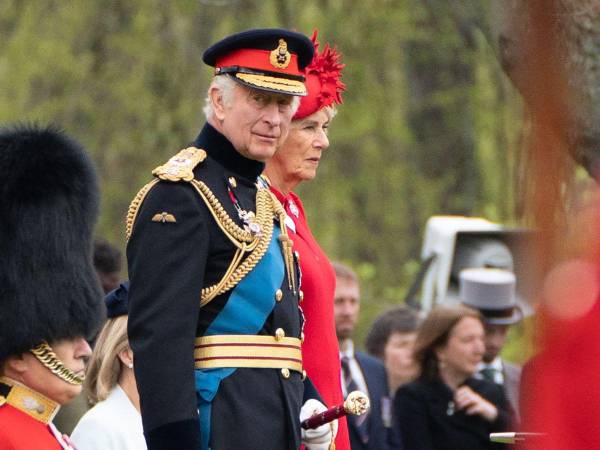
[220,149]
[26,400]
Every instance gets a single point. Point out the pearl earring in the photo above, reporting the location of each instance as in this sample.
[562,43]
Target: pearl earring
[130,365]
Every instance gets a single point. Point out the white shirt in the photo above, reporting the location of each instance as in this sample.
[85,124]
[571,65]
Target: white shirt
[355,369]
[113,424]
[496,364]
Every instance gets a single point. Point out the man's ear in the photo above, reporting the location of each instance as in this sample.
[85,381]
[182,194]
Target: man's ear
[216,98]
[14,365]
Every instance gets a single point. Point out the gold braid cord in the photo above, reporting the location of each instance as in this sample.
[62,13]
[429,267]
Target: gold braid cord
[258,247]
[233,231]
[135,206]
[48,358]
[286,244]
[180,168]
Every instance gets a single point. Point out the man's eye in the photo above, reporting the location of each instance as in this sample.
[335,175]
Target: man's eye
[260,99]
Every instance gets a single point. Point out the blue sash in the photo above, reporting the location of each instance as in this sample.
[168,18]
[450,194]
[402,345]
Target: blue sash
[249,305]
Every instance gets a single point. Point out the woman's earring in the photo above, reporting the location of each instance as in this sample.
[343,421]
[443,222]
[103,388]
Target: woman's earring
[130,365]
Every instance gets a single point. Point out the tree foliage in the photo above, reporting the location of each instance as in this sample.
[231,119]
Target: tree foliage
[429,123]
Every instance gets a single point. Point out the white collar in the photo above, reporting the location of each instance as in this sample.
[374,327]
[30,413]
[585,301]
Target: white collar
[496,364]
[349,352]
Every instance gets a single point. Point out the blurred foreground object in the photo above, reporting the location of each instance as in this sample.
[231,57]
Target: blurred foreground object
[512,437]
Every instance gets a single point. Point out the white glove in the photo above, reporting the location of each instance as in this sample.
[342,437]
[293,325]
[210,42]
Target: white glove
[319,438]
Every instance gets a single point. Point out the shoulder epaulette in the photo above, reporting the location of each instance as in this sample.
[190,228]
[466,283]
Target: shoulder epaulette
[181,166]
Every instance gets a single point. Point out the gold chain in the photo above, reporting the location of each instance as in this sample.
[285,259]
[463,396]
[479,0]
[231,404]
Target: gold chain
[48,358]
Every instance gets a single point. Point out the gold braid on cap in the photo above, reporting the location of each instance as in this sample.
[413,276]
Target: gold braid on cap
[48,358]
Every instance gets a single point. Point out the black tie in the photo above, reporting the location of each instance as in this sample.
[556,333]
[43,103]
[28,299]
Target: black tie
[360,423]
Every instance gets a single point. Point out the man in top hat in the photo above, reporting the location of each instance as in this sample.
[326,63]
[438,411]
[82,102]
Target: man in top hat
[492,292]
[215,320]
[51,299]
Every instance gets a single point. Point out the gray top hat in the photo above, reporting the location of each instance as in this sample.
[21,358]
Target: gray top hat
[492,292]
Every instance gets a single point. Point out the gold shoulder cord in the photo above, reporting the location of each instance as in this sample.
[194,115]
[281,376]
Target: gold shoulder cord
[134,207]
[267,206]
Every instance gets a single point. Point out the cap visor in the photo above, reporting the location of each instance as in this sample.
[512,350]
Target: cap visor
[272,84]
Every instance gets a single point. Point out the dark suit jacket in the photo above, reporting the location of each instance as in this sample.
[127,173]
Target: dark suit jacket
[428,423]
[380,436]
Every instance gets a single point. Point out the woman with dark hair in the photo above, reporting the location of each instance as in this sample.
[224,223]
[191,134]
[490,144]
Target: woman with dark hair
[391,339]
[446,408]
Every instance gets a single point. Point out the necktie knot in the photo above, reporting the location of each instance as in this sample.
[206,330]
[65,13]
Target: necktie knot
[488,373]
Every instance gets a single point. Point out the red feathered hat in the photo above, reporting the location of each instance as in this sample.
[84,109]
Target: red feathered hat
[323,80]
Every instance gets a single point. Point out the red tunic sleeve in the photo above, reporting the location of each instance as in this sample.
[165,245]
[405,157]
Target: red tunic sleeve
[320,350]
[18,431]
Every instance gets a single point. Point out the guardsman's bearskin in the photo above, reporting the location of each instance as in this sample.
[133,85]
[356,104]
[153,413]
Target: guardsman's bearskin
[49,203]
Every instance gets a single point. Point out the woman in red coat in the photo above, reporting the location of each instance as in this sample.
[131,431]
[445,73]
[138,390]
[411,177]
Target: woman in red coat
[297,161]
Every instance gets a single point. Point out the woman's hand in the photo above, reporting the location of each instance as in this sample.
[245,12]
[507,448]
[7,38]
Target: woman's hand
[474,404]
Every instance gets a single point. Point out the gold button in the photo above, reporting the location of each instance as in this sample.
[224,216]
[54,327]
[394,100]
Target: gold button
[232,182]
[285,372]
[279,334]
[303,375]
[301,295]
[302,337]
[278,295]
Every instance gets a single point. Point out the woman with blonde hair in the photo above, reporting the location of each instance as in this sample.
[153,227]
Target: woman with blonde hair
[114,423]
[446,407]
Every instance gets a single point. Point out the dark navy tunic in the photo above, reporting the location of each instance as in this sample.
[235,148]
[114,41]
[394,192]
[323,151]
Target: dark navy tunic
[169,264]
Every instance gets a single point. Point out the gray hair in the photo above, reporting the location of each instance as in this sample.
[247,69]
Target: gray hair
[226,84]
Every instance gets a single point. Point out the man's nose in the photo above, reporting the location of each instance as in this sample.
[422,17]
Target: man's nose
[272,115]
[83,349]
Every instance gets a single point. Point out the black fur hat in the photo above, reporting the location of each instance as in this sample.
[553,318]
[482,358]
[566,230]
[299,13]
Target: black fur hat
[49,203]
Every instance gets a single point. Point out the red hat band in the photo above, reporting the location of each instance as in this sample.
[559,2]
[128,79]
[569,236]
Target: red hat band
[262,60]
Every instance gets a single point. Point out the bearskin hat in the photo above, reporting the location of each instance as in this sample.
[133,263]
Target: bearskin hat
[49,201]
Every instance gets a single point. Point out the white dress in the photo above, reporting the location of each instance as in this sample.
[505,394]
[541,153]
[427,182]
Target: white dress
[113,424]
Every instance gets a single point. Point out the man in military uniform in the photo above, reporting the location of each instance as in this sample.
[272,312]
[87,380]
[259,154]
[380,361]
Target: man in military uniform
[51,299]
[215,322]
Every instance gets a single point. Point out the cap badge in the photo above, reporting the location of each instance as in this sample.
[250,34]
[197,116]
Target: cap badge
[280,57]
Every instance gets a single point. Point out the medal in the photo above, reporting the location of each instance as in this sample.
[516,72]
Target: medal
[248,217]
